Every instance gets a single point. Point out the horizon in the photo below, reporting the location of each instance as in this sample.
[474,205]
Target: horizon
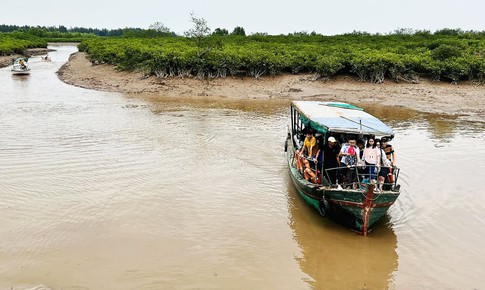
[325,18]
[401,30]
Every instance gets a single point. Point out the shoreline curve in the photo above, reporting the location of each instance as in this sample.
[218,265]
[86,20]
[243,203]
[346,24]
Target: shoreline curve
[464,99]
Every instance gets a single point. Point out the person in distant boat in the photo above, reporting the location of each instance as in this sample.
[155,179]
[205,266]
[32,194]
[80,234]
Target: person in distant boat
[22,64]
[331,152]
[372,157]
[350,155]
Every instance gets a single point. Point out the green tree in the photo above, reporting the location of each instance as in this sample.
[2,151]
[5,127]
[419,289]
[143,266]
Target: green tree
[37,32]
[160,28]
[220,31]
[238,30]
[449,31]
[199,33]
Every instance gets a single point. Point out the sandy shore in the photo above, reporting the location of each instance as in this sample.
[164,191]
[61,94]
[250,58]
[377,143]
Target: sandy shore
[466,99]
[7,60]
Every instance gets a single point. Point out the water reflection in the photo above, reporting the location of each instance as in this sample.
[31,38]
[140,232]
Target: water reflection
[336,258]
[20,81]
[441,127]
[160,104]
[392,114]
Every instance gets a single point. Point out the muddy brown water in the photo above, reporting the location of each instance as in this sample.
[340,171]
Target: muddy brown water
[104,191]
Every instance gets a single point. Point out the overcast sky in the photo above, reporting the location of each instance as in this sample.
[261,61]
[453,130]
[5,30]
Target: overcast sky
[272,17]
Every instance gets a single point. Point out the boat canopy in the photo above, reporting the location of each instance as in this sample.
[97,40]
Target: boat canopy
[340,117]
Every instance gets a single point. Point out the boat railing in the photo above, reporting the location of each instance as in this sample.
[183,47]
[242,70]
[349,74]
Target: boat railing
[358,177]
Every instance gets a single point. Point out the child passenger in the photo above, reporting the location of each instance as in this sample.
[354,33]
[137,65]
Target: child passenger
[350,155]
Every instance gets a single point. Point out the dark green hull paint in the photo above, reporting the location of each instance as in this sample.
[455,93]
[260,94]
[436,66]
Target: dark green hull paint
[344,206]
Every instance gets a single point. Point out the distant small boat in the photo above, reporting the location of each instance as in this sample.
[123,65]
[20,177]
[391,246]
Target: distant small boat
[357,205]
[21,66]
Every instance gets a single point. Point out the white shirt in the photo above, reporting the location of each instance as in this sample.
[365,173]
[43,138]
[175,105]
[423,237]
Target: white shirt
[345,149]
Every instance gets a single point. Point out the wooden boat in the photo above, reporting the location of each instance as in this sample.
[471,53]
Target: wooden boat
[20,66]
[357,205]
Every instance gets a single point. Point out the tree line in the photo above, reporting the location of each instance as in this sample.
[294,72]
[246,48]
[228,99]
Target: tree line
[403,55]
[155,30]
[61,29]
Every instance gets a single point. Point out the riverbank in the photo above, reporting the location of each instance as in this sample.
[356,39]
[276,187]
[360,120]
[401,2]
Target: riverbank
[437,97]
[7,60]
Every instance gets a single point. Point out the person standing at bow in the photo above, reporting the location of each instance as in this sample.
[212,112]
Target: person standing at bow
[388,162]
[372,157]
[350,155]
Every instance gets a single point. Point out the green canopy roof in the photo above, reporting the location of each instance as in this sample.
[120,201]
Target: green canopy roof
[340,117]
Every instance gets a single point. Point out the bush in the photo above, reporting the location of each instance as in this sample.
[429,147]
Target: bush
[18,42]
[456,69]
[327,66]
[445,51]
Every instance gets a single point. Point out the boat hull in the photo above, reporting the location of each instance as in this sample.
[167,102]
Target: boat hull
[21,73]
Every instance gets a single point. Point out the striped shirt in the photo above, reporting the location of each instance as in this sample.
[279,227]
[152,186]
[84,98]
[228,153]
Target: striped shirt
[388,150]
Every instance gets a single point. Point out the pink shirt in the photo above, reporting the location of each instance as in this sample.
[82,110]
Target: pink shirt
[372,155]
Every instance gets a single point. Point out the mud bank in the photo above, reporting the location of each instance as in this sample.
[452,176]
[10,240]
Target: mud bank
[436,97]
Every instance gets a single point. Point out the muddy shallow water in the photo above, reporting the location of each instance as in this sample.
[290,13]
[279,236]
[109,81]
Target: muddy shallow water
[104,191]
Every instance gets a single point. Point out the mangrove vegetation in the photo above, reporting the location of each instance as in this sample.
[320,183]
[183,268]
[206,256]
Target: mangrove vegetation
[450,55]
[373,58]
[18,42]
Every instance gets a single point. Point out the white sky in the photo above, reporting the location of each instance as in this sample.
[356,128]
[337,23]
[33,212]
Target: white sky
[273,17]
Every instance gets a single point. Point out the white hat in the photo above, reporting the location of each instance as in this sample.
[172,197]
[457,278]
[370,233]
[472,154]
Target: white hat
[331,139]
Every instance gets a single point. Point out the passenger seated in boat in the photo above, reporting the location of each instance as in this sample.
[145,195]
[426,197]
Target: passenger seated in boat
[22,64]
[299,161]
[309,153]
[313,168]
[311,174]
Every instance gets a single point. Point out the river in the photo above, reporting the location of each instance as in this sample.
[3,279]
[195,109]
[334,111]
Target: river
[104,191]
